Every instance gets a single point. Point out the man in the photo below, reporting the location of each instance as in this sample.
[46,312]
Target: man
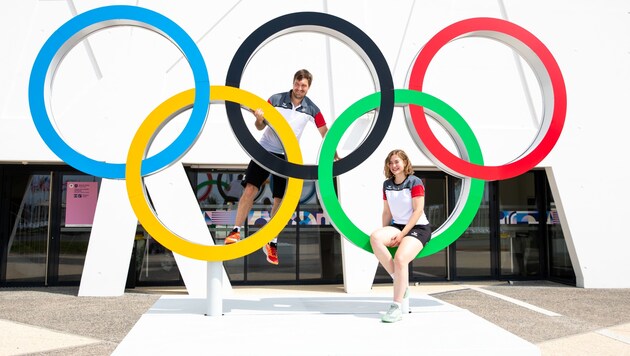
[298,110]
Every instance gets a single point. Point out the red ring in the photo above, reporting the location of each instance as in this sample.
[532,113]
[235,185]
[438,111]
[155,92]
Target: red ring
[559,103]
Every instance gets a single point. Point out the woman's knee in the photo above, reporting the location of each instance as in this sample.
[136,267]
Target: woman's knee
[400,259]
[375,238]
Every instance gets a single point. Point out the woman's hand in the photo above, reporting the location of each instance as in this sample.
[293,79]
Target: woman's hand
[396,240]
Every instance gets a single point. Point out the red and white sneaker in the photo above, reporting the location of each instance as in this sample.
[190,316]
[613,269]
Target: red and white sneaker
[233,237]
[272,253]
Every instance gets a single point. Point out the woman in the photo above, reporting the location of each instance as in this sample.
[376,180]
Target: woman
[404,226]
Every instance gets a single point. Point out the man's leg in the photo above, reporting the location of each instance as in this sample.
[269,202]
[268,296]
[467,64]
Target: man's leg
[278,190]
[271,249]
[255,175]
[274,209]
[245,204]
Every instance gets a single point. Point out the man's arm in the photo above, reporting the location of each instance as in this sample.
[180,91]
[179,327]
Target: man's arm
[260,119]
[322,131]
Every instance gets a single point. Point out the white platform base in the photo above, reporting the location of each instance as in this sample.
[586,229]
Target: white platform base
[335,324]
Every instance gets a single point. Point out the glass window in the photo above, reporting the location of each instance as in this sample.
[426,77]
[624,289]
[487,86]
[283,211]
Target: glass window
[154,264]
[79,194]
[519,233]
[436,209]
[308,247]
[259,270]
[472,249]
[27,246]
[560,266]
[320,254]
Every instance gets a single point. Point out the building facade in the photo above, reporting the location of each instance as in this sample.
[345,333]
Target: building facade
[62,224]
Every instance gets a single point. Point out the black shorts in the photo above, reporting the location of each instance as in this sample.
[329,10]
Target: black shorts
[420,232]
[257,175]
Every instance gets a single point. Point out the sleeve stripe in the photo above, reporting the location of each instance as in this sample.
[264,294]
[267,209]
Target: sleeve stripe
[319,120]
[417,191]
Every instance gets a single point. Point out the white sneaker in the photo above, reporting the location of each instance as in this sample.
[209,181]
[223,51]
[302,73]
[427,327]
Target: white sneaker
[393,315]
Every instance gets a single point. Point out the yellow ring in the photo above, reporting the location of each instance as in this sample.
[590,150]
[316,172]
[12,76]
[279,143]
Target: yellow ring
[137,192]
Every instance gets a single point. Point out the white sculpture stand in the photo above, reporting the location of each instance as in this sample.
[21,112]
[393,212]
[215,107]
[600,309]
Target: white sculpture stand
[214,289]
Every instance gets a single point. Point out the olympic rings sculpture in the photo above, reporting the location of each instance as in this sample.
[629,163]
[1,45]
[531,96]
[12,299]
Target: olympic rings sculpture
[416,105]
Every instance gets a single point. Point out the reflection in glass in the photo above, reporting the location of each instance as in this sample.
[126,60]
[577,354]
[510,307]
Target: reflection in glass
[308,247]
[28,242]
[258,269]
[519,227]
[436,209]
[473,247]
[559,258]
[320,253]
[153,262]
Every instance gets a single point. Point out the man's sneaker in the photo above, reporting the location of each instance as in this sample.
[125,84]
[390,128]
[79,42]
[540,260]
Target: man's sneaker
[405,302]
[393,315]
[233,237]
[272,253]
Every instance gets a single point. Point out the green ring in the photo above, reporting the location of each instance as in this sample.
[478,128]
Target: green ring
[456,224]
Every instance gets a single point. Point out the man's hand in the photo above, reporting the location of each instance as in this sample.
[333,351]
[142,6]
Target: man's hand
[260,119]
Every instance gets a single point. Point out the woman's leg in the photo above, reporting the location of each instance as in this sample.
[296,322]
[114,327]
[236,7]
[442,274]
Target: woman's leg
[379,240]
[407,251]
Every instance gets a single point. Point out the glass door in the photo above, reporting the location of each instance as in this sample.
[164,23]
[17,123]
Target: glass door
[79,194]
[472,250]
[560,266]
[519,231]
[26,203]
[436,208]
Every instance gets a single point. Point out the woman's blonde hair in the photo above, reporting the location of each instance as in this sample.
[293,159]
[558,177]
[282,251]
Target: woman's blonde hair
[402,155]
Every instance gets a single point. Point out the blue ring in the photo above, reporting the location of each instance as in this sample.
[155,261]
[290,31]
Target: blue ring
[81,26]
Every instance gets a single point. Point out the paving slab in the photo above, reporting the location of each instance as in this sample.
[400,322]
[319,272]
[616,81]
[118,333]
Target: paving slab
[19,339]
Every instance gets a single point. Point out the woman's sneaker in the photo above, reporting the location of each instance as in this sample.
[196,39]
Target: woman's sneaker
[393,315]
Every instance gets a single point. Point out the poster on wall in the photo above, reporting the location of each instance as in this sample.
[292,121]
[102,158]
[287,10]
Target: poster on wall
[81,203]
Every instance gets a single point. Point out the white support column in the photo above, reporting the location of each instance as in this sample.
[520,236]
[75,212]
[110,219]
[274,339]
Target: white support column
[214,292]
[111,243]
[359,268]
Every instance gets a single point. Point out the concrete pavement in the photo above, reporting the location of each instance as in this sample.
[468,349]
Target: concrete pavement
[447,318]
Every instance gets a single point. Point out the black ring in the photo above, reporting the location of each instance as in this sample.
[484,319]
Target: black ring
[348,34]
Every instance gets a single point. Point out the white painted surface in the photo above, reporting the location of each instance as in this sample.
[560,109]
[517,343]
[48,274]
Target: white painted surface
[176,324]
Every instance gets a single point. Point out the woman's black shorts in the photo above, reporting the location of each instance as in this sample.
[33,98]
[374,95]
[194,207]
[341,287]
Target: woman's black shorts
[420,232]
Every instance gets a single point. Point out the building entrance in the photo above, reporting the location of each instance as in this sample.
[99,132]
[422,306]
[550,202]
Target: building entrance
[44,234]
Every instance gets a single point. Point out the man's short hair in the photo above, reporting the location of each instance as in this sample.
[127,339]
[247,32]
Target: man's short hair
[303,73]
